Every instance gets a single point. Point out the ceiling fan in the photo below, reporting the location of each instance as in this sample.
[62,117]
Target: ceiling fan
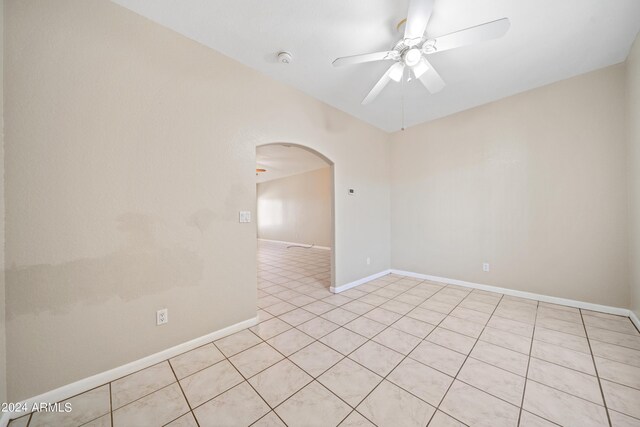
[411,52]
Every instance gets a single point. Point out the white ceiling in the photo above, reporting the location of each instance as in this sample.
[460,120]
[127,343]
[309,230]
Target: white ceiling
[285,160]
[549,40]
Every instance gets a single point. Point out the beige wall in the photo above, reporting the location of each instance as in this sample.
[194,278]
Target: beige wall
[3,352]
[633,117]
[534,184]
[297,208]
[130,150]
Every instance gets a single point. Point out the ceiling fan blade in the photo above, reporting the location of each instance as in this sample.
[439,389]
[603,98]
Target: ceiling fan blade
[482,32]
[417,19]
[392,73]
[431,79]
[366,57]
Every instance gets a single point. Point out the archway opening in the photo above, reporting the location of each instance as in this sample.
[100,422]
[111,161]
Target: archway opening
[295,225]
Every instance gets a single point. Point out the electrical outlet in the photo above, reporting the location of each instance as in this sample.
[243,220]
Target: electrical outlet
[485,266]
[368,261]
[162,317]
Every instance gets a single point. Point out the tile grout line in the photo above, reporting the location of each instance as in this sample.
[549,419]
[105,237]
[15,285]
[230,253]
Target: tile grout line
[403,359]
[595,367]
[271,409]
[586,354]
[246,381]
[200,370]
[406,356]
[402,316]
[471,385]
[526,375]
[69,398]
[287,358]
[619,345]
[580,372]
[315,379]
[111,404]
[418,306]
[183,394]
[142,397]
[346,356]
[394,298]
[582,324]
[466,357]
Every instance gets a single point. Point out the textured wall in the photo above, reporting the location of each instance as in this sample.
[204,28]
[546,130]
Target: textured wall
[534,184]
[130,150]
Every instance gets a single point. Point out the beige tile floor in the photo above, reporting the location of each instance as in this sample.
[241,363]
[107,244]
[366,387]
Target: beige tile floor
[396,351]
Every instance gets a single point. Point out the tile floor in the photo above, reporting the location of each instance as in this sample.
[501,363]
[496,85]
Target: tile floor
[396,351]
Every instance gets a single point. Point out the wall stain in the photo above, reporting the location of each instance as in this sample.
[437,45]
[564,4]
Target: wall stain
[141,268]
[138,228]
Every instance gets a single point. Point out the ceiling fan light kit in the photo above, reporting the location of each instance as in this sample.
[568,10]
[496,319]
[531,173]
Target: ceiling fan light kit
[419,69]
[414,47]
[412,56]
[396,73]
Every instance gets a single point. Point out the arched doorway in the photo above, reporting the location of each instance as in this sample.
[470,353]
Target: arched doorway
[295,221]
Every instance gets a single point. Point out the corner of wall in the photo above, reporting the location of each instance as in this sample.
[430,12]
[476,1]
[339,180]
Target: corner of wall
[633,136]
[388,147]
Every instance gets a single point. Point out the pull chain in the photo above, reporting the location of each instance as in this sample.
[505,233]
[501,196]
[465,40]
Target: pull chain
[402,99]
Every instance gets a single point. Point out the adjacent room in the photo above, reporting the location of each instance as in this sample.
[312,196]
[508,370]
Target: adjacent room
[294,193]
[338,213]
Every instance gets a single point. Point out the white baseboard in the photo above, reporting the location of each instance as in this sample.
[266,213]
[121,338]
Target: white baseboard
[343,288]
[528,295]
[73,389]
[634,319]
[326,248]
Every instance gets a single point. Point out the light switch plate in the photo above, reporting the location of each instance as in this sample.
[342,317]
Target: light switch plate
[245,216]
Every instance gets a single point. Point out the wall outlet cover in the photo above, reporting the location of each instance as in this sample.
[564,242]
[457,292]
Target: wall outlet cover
[162,316]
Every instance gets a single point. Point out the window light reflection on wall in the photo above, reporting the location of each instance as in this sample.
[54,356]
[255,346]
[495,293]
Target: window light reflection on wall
[270,212]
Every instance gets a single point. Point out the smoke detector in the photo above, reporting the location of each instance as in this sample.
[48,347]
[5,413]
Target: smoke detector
[284,57]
